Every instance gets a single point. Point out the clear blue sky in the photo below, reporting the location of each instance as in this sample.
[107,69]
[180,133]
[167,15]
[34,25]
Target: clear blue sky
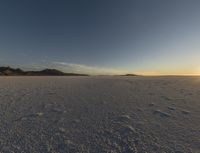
[102,36]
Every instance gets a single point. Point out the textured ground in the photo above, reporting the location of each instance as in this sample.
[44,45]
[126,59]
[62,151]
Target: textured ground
[100,114]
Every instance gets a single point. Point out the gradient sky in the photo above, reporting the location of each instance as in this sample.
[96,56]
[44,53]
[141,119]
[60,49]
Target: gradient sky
[102,36]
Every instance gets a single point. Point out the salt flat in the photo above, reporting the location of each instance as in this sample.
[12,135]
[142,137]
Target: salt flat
[100,114]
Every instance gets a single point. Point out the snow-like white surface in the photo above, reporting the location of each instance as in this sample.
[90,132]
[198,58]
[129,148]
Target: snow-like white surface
[100,114]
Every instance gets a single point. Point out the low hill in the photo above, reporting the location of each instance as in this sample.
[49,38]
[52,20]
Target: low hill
[131,75]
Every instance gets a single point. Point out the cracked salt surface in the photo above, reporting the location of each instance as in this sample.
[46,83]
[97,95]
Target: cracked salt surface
[99,114]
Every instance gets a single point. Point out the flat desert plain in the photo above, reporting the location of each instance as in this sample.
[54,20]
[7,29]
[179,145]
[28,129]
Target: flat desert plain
[100,114]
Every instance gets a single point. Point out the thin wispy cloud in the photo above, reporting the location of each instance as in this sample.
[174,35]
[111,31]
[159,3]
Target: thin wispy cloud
[80,68]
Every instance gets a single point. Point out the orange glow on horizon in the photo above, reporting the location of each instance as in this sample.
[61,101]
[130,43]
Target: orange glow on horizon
[174,72]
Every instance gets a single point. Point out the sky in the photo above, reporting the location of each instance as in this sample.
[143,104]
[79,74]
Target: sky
[149,37]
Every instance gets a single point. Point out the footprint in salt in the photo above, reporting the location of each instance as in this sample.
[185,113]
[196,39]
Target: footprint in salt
[161,113]
[122,118]
[185,112]
[171,108]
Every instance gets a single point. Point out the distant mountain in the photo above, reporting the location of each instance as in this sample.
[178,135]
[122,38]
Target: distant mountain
[11,71]
[131,75]
[8,71]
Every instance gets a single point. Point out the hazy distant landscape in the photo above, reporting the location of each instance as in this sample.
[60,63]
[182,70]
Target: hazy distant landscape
[99,114]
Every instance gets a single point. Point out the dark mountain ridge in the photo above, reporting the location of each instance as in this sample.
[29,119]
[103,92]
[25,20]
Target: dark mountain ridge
[8,71]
